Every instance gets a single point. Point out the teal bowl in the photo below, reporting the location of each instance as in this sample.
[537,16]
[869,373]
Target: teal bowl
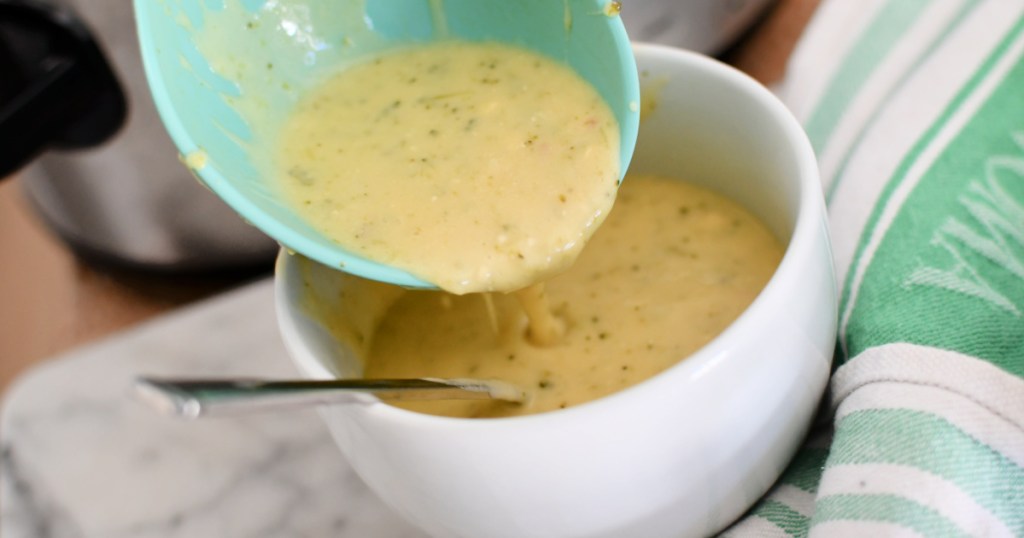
[224,73]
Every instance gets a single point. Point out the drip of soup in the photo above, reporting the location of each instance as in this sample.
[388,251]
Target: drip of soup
[670,268]
[474,166]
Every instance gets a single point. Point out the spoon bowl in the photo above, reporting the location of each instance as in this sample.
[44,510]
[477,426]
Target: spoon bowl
[224,74]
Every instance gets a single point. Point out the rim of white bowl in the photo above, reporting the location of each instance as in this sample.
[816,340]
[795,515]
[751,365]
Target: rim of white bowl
[801,242]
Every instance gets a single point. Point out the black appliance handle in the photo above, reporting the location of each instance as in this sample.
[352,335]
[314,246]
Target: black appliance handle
[57,90]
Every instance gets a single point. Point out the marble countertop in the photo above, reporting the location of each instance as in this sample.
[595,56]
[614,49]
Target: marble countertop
[79,458]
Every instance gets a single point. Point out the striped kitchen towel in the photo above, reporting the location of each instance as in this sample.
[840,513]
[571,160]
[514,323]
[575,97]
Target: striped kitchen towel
[916,111]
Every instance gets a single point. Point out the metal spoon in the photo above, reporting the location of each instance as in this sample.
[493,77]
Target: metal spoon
[194,398]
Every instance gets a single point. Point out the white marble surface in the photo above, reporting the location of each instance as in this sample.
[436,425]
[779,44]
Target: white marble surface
[81,459]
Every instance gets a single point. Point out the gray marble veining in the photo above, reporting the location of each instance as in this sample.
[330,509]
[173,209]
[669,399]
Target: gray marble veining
[80,459]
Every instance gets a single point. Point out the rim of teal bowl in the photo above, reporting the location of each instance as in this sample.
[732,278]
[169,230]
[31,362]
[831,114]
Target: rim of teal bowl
[296,241]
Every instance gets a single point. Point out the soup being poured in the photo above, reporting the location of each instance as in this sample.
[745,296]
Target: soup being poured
[474,166]
[672,266]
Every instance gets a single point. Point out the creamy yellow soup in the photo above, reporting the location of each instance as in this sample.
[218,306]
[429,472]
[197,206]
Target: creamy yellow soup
[670,268]
[474,166]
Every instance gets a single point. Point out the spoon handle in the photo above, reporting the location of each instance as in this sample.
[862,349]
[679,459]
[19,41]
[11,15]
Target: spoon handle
[193,398]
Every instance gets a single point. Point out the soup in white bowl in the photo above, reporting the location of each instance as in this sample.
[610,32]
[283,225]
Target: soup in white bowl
[681,453]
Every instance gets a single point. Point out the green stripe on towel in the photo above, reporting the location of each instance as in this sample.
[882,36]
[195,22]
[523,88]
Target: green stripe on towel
[888,26]
[805,470]
[929,51]
[790,521]
[931,443]
[886,509]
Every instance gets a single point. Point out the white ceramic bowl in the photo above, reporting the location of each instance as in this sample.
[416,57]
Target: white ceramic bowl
[681,454]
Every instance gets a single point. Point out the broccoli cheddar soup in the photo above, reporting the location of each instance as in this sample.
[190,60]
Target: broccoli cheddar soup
[474,166]
[670,268]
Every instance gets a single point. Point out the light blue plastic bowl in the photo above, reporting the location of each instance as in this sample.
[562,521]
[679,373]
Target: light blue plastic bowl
[224,72]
